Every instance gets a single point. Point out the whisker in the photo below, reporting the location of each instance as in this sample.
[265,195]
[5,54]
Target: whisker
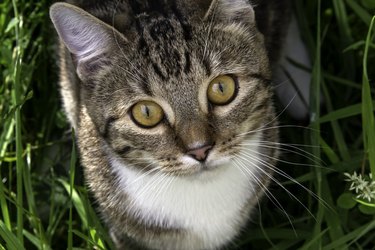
[264,128]
[285,175]
[138,160]
[282,112]
[277,159]
[145,159]
[145,173]
[265,189]
[144,189]
[159,187]
[292,144]
[303,153]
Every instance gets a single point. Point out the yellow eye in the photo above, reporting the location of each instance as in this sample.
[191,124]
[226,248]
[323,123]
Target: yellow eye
[147,114]
[221,90]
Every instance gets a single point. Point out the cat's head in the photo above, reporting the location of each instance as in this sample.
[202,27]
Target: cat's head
[180,89]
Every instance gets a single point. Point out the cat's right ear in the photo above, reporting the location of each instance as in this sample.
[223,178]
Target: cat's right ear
[221,11]
[85,36]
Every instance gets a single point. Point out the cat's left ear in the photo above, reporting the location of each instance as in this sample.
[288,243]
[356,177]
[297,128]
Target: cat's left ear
[86,37]
[230,11]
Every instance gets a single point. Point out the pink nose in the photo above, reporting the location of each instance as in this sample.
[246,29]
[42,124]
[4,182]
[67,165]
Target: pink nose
[200,154]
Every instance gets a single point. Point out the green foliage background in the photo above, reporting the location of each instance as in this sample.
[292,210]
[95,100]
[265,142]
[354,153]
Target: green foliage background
[44,204]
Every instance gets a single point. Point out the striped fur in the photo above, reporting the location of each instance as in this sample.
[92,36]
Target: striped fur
[116,53]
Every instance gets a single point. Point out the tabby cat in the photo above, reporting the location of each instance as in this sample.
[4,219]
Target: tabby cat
[171,101]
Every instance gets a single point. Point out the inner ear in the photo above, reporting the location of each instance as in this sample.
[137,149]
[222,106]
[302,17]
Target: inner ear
[87,38]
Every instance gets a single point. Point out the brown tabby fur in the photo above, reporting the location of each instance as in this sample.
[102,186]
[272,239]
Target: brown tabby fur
[168,50]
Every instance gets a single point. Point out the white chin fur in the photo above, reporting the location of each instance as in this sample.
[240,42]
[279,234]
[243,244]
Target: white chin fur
[208,208]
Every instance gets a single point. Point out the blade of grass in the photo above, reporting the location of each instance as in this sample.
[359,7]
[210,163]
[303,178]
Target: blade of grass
[332,219]
[332,156]
[34,219]
[285,245]
[342,81]
[11,241]
[36,241]
[4,206]
[279,233]
[6,136]
[337,131]
[94,222]
[89,220]
[315,126]
[73,161]
[313,241]
[56,212]
[350,236]
[77,202]
[57,216]
[4,142]
[350,166]
[367,108]
[265,234]
[16,101]
[357,45]
[96,238]
[88,240]
[349,111]
[361,12]
[345,37]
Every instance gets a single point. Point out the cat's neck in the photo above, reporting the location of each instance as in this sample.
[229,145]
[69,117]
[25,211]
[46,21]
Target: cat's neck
[208,206]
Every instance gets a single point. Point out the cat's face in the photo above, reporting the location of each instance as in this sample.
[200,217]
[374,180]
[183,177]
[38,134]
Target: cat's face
[178,97]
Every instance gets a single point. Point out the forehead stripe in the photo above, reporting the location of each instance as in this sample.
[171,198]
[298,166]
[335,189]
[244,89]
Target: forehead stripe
[184,23]
[158,71]
[107,125]
[187,62]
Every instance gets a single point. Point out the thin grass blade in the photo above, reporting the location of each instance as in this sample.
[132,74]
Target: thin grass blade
[367,108]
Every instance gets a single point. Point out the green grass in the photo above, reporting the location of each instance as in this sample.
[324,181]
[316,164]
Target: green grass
[43,200]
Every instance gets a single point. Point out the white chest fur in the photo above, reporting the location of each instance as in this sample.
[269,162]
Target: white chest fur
[207,207]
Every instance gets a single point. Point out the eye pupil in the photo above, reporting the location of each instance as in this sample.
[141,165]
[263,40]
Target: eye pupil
[221,87]
[146,111]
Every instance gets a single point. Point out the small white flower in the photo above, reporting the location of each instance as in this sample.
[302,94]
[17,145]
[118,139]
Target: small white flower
[363,186]
[350,177]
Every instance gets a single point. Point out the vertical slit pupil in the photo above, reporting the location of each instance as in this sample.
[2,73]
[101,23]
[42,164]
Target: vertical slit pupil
[221,87]
[146,111]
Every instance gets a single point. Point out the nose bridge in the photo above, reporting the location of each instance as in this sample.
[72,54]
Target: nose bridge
[191,125]
[194,132]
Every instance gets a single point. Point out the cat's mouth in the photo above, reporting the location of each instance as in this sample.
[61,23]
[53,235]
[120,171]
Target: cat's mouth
[204,169]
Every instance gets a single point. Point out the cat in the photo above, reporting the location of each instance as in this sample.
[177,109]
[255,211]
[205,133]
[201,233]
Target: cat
[171,101]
